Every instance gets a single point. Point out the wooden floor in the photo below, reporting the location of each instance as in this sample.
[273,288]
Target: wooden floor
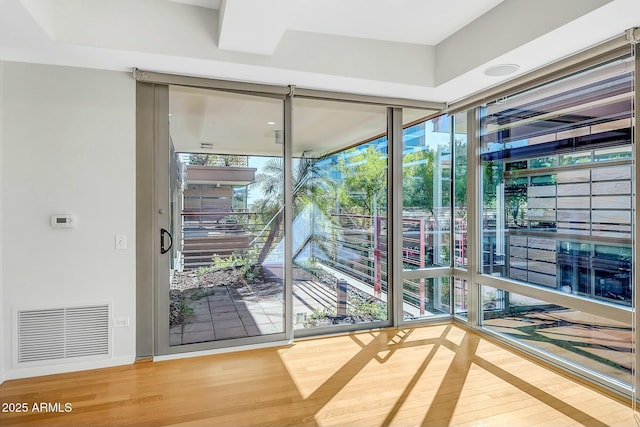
[433,376]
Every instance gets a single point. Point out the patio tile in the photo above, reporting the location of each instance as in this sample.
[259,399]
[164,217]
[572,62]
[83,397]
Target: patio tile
[246,303]
[197,327]
[248,322]
[258,319]
[230,313]
[196,318]
[219,298]
[276,319]
[200,311]
[202,303]
[268,328]
[201,336]
[215,308]
[253,330]
[272,300]
[271,303]
[245,314]
[226,333]
[274,312]
[227,323]
[279,326]
[176,329]
[253,322]
[225,316]
[252,311]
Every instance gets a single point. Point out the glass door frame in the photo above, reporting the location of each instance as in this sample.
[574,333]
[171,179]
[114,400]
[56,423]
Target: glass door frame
[397,124]
[162,220]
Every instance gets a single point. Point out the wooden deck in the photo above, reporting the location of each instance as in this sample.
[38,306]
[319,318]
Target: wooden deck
[440,375]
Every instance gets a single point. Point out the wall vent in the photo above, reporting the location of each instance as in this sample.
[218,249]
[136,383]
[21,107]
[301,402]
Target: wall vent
[51,334]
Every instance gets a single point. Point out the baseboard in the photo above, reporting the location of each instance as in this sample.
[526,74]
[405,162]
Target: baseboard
[38,371]
[220,350]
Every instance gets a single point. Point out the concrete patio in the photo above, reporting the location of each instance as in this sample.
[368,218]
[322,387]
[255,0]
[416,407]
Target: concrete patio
[228,312]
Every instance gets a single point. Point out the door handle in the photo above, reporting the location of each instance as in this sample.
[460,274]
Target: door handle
[164,250]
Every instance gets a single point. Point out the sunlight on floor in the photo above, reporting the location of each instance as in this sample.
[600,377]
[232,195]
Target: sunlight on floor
[310,376]
[441,375]
[437,375]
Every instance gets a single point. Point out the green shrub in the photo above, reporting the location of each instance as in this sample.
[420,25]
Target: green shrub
[375,309]
[203,270]
[185,309]
[322,312]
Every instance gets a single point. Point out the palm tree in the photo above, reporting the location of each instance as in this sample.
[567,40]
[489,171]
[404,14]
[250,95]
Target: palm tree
[309,185]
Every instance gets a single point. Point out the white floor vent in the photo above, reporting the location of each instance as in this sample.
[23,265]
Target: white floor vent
[62,333]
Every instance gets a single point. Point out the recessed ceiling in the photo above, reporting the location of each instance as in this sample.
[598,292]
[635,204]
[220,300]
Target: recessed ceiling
[417,49]
[405,21]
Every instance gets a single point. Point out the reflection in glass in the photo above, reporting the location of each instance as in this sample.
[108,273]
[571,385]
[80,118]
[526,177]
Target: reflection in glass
[426,194]
[460,190]
[426,297]
[593,342]
[557,185]
[460,290]
[340,214]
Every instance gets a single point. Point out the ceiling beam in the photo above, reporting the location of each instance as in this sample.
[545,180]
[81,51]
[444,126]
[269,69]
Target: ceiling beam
[251,26]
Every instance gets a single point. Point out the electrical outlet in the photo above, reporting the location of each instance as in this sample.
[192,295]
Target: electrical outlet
[120,322]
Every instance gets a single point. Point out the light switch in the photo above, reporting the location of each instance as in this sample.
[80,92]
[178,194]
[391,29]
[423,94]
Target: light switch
[121,242]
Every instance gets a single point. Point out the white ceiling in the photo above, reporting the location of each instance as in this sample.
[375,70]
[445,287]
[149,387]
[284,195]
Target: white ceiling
[419,49]
[429,50]
[244,124]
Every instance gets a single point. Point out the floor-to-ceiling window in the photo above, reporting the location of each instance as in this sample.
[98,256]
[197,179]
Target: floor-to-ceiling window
[556,218]
[426,216]
[460,229]
[340,223]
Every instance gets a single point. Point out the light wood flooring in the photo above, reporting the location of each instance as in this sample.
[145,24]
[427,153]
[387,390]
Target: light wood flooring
[440,375]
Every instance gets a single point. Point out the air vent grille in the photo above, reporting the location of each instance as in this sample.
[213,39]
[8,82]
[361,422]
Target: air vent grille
[63,333]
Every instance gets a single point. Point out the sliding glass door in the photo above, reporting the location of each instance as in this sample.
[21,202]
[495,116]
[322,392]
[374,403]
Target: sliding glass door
[221,246]
[263,224]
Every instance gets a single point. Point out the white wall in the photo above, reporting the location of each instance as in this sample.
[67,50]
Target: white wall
[69,147]
[2,341]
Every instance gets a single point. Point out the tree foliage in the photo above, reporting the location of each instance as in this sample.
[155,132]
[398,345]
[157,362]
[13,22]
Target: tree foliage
[460,173]
[364,181]
[228,160]
[417,183]
[308,181]
[309,185]
[426,181]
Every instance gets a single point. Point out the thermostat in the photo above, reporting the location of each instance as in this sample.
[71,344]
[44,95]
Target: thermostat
[62,221]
